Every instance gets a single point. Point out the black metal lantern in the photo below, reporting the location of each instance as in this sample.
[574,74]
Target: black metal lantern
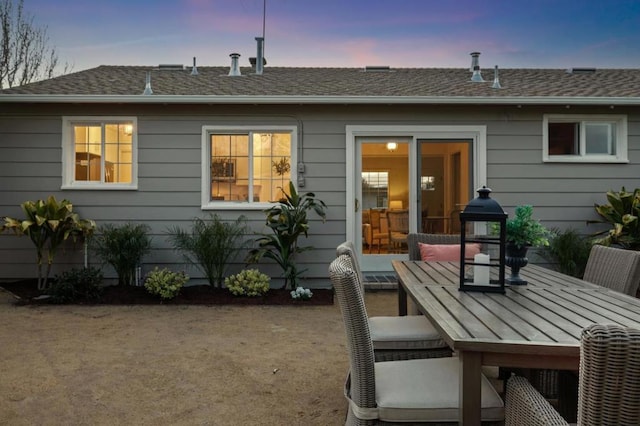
[476,272]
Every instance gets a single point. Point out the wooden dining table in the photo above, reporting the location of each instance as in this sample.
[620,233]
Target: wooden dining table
[537,325]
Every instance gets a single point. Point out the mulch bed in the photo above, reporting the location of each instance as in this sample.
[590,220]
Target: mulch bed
[27,291]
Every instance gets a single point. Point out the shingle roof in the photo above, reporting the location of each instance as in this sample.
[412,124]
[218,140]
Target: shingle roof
[338,83]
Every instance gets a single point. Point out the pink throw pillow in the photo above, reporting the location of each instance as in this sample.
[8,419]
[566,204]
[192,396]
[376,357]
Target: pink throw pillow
[446,252]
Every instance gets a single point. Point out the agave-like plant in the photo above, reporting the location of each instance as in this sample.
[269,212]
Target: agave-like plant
[288,221]
[48,224]
[622,214]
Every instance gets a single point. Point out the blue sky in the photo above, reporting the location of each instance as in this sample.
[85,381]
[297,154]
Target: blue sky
[349,33]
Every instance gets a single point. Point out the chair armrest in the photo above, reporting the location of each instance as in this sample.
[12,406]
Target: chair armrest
[525,406]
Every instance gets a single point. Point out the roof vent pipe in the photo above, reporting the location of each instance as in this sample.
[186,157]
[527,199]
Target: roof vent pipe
[235,67]
[260,55]
[147,87]
[194,70]
[475,61]
[496,79]
[476,77]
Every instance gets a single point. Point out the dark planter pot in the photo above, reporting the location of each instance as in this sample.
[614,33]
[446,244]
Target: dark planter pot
[515,258]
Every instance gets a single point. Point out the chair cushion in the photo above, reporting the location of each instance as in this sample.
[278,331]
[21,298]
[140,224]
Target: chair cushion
[446,252]
[401,333]
[427,390]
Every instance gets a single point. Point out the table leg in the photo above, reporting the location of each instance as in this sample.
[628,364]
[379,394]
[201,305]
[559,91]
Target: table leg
[470,387]
[402,300]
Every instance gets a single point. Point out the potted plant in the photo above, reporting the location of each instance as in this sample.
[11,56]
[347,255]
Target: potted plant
[522,232]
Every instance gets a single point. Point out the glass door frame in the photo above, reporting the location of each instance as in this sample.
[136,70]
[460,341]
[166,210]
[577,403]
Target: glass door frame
[353,168]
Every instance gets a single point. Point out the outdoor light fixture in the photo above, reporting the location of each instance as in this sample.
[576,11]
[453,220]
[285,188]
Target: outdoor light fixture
[392,146]
[475,274]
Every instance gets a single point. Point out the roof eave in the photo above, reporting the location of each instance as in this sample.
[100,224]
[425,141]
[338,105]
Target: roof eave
[236,99]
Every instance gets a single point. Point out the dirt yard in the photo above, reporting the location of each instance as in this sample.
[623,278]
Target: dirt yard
[178,365]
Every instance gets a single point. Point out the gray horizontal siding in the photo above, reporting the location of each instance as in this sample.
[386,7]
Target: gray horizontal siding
[169,145]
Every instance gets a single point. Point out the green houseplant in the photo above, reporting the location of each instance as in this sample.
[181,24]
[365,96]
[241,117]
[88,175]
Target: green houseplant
[522,232]
[48,224]
[288,221]
[622,214]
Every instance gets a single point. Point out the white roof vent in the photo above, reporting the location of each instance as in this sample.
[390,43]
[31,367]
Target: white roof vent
[496,79]
[235,66]
[147,87]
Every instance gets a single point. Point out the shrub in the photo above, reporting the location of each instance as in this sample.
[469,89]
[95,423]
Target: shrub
[622,213]
[123,247]
[77,284]
[211,245]
[569,250]
[301,293]
[287,221]
[165,283]
[48,224]
[249,282]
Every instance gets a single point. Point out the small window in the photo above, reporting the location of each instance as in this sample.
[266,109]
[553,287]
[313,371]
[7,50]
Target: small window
[247,166]
[595,139]
[375,189]
[99,153]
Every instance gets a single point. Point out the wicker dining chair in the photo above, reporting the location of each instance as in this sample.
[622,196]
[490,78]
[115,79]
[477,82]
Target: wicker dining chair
[398,338]
[398,227]
[381,393]
[608,389]
[614,268]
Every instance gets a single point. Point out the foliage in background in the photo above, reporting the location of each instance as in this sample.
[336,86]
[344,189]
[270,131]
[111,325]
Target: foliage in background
[77,284]
[123,247]
[165,283]
[524,231]
[288,221]
[622,214]
[249,282]
[568,250]
[48,224]
[211,245]
[25,54]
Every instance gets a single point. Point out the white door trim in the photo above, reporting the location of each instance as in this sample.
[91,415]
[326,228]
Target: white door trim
[476,133]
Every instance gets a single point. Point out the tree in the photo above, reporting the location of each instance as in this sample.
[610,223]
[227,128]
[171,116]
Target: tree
[25,53]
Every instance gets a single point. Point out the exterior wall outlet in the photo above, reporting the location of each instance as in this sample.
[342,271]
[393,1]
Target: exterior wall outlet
[301,181]
[300,167]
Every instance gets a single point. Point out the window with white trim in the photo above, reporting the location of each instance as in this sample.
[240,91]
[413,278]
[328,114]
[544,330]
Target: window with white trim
[585,138]
[245,166]
[99,153]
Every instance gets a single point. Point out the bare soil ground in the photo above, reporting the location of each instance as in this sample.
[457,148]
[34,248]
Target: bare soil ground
[174,364]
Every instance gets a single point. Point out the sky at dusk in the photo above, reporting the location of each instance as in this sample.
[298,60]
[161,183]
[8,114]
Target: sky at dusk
[345,33]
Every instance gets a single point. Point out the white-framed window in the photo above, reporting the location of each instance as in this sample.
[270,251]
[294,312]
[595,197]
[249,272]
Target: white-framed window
[584,138]
[99,153]
[247,166]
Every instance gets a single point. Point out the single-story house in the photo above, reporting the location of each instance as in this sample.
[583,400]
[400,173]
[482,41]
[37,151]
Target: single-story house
[163,144]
